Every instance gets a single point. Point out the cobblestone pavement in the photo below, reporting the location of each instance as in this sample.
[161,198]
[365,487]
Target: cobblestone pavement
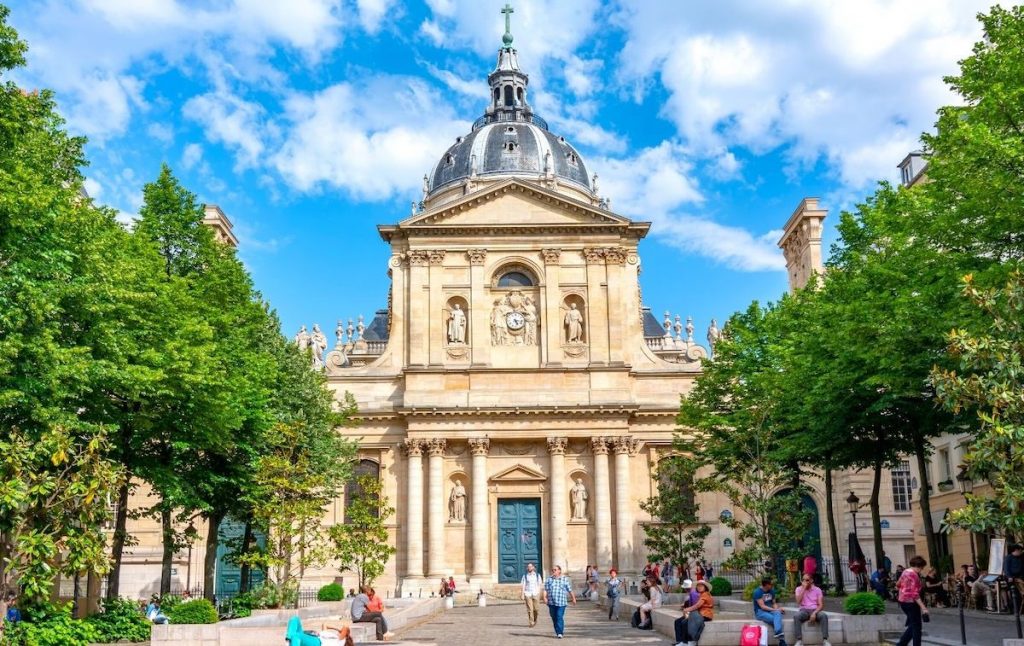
[504,622]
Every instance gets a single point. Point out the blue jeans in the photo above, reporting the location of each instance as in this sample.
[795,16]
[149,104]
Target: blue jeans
[558,618]
[613,607]
[773,619]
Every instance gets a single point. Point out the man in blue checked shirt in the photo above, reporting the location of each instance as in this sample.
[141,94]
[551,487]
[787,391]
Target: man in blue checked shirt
[557,593]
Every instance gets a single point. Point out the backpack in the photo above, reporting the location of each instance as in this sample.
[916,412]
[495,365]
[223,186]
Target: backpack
[754,635]
[634,621]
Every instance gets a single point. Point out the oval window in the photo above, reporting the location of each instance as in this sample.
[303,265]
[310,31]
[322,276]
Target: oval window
[515,279]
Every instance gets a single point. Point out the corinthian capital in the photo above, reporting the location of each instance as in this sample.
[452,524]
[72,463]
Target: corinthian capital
[593,255]
[599,445]
[551,256]
[436,446]
[435,256]
[556,445]
[413,448]
[625,444]
[477,256]
[417,258]
[479,445]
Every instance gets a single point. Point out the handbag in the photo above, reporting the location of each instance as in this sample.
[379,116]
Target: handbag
[754,635]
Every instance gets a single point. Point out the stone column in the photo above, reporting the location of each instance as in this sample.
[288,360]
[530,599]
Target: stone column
[437,514]
[624,447]
[603,503]
[559,502]
[414,510]
[480,517]
[550,334]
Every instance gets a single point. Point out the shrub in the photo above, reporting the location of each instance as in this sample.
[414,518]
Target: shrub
[864,603]
[120,620]
[197,611]
[331,592]
[56,630]
[748,591]
[721,587]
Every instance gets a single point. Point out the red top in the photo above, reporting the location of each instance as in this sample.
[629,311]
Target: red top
[909,586]
[810,565]
[375,605]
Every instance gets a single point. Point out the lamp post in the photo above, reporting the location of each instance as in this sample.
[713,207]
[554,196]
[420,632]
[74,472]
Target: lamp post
[190,536]
[854,504]
[966,487]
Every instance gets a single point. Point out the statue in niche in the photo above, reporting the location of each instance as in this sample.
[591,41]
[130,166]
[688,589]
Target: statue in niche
[579,500]
[319,344]
[457,503]
[457,325]
[302,339]
[531,321]
[573,325]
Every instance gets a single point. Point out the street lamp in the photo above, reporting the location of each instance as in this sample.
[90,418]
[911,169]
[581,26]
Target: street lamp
[966,487]
[854,502]
[190,536]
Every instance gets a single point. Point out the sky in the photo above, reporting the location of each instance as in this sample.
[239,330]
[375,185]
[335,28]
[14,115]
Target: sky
[310,122]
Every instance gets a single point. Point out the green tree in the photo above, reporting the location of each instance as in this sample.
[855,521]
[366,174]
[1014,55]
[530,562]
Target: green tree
[990,382]
[54,287]
[361,544]
[675,531]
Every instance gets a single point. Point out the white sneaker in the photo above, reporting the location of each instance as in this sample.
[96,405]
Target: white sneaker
[800,642]
[826,643]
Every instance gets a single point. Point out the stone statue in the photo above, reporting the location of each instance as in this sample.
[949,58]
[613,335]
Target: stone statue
[499,324]
[579,500]
[457,325]
[319,343]
[426,187]
[594,184]
[457,503]
[548,168]
[573,325]
[302,339]
[531,321]
[714,334]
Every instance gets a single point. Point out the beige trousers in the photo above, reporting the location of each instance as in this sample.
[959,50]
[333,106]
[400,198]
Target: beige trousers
[531,609]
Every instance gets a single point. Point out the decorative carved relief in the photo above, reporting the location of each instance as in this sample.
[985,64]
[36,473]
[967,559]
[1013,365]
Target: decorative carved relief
[458,352]
[599,445]
[551,256]
[556,445]
[625,444]
[517,449]
[514,320]
[593,255]
[615,255]
[436,256]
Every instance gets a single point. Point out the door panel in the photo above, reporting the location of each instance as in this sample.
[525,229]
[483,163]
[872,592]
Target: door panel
[519,537]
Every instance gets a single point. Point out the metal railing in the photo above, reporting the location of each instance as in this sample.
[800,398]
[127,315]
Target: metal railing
[505,115]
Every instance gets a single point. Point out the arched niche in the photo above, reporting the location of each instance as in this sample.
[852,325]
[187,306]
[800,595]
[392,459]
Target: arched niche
[456,321]
[458,497]
[571,334]
[580,495]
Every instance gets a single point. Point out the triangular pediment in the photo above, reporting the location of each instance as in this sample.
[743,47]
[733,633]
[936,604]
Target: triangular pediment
[519,473]
[515,202]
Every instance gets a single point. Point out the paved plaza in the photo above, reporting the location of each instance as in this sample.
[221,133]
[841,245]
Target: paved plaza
[504,622]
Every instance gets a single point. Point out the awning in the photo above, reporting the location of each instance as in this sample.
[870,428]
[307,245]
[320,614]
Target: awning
[939,519]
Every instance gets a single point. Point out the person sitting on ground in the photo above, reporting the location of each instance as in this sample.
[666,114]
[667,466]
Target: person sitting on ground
[153,612]
[812,602]
[880,582]
[690,626]
[328,635]
[362,614]
[331,635]
[444,588]
[767,610]
[933,585]
[451,586]
[654,602]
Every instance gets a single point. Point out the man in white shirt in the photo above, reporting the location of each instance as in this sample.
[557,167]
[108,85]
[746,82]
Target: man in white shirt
[532,586]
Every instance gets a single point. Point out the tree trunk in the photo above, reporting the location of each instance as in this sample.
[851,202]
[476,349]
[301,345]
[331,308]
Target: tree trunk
[876,520]
[167,562]
[210,558]
[118,540]
[920,451]
[837,559]
[245,575]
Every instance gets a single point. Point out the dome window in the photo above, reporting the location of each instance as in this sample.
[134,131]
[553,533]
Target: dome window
[458,140]
[573,159]
[510,146]
[510,130]
[449,160]
[561,140]
[515,279]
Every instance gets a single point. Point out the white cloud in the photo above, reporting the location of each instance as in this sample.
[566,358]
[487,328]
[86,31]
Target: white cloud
[372,12]
[231,120]
[657,185]
[851,83]
[92,187]
[358,137]
[161,132]
[191,155]
[433,32]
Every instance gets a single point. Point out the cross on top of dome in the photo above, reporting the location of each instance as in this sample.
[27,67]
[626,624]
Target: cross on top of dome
[508,11]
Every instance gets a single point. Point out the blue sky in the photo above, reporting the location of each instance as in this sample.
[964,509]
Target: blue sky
[311,121]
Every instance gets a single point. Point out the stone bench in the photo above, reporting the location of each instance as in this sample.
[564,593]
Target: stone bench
[267,627]
[732,614]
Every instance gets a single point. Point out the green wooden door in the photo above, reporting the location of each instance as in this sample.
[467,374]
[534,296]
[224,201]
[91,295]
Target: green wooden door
[519,537]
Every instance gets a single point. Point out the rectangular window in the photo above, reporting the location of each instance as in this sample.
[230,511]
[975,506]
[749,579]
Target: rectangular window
[945,466]
[901,487]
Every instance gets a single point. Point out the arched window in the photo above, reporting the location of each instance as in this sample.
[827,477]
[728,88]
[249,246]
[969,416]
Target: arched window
[515,279]
[365,468]
[497,97]
[509,96]
[519,95]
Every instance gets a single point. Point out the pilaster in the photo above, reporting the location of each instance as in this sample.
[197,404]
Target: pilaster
[597,306]
[414,511]
[435,319]
[481,518]
[436,505]
[559,502]
[479,307]
[603,505]
[418,324]
[551,351]
[624,447]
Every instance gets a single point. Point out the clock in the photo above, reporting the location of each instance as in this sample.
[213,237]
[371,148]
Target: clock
[515,320]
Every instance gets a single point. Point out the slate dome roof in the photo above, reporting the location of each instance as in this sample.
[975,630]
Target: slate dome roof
[509,139]
[510,148]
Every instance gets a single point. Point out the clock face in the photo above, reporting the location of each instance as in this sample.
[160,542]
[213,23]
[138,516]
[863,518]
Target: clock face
[515,320]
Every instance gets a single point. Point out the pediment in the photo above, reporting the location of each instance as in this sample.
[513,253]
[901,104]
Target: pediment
[519,473]
[515,203]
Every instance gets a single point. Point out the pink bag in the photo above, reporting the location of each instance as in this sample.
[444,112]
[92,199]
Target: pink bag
[753,635]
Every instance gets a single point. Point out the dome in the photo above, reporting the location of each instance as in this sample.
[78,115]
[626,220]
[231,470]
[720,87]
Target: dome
[510,148]
[509,140]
